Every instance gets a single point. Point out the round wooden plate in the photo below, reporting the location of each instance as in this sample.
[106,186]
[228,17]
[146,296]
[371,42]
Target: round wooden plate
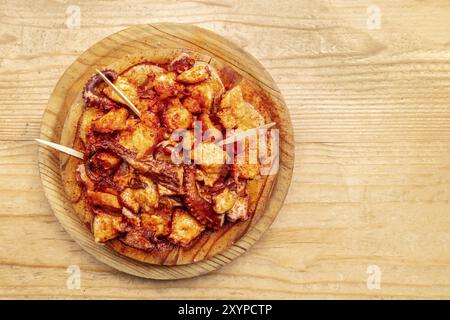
[132,41]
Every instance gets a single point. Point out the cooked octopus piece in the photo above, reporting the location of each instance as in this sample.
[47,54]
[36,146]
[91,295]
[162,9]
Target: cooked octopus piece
[181,63]
[106,226]
[138,238]
[103,199]
[83,178]
[185,228]
[93,97]
[197,206]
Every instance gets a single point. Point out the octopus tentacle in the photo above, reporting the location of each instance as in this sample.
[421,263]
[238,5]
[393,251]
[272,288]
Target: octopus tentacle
[96,99]
[197,206]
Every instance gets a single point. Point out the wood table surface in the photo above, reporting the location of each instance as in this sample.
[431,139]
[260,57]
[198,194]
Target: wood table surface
[368,211]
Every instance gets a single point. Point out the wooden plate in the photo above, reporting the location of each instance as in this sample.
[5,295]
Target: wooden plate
[132,41]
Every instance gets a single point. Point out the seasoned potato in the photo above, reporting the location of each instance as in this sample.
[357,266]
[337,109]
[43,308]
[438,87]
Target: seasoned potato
[210,130]
[177,117]
[128,88]
[106,227]
[106,161]
[87,119]
[224,201]
[208,178]
[210,157]
[130,82]
[114,120]
[134,219]
[246,170]
[143,198]
[236,113]
[139,73]
[239,210]
[140,138]
[184,228]
[192,105]
[246,163]
[103,199]
[157,221]
[166,86]
[194,75]
[204,94]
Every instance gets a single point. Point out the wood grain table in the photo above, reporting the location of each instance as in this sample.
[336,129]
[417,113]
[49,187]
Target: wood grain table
[367,84]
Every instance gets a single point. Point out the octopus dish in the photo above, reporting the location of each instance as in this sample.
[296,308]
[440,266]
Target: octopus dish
[162,187]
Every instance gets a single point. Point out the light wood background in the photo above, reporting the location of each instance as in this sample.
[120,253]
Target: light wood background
[371,182]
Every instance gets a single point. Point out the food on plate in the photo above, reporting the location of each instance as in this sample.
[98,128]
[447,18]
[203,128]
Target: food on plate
[142,202]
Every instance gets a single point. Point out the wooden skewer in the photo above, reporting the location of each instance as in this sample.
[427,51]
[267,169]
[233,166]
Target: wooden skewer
[241,135]
[62,148]
[124,97]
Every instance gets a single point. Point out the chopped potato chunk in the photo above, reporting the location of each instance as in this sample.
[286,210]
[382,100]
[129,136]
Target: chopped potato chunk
[114,120]
[194,75]
[210,157]
[103,199]
[204,94]
[140,138]
[139,73]
[235,112]
[224,201]
[106,161]
[106,227]
[177,117]
[158,222]
[184,228]
[239,210]
[128,88]
[208,178]
[143,198]
[89,116]
[166,86]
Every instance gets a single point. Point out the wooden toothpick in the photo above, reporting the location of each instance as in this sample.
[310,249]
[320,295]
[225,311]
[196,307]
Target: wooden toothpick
[241,135]
[121,95]
[62,148]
